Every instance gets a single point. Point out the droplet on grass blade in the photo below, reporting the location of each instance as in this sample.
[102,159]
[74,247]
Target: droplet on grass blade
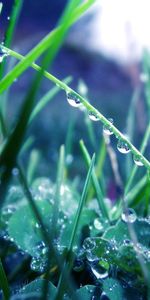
[106,128]
[73,100]
[3,54]
[138,161]
[89,244]
[129,215]
[93,116]
[123,147]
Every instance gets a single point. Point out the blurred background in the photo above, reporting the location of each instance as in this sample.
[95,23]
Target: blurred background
[103,51]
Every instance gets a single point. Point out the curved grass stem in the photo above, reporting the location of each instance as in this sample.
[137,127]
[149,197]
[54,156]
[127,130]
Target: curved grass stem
[90,108]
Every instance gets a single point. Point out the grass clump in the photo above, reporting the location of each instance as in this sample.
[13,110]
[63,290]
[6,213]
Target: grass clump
[69,240]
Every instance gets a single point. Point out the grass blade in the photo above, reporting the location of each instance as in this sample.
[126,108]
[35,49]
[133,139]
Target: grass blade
[59,181]
[135,168]
[4,283]
[46,99]
[96,184]
[39,49]
[33,162]
[93,110]
[68,263]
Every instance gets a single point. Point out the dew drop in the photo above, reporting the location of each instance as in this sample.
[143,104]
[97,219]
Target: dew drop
[7,212]
[97,224]
[73,100]
[129,216]
[138,161]
[3,54]
[15,172]
[104,297]
[89,244]
[106,128]
[123,147]
[79,265]
[93,116]
[37,264]
[98,271]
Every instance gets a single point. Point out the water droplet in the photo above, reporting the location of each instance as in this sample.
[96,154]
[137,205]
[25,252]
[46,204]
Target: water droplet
[129,215]
[99,271]
[79,265]
[15,172]
[127,242]
[73,100]
[137,161]
[69,159]
[37,264]
[123,147]
[3,54]
[104,297]
[90,256]
[89,244]
[93,116]
[7,212]
[97,224]
[106,128]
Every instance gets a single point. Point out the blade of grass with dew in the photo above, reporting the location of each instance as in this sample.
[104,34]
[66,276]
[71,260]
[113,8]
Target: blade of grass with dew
[83,91]
[32,165]
[93,110]
[46,237]
[4,285]
[68,263]
[59,181]
[96,184]
[49,96]
[130,125]
[39,49]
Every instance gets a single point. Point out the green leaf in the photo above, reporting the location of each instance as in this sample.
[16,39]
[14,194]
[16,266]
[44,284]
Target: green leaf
[24,229]
[89,292]
[34,290]
[113,289]
[120,232]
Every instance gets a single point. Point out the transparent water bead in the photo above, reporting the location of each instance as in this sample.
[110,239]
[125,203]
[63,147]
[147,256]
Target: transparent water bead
[3,54]
[37,264]
[104,297]
[129,216]
[93,116]
[89,244]
[97,224]
[106,128]
[138,161]
[99,271]
[123,147]
[7,212]
[73,100]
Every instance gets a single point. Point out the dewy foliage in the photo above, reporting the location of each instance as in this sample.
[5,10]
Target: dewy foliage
[73,247]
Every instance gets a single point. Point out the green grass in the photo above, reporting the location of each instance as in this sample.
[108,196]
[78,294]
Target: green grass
[67,226]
